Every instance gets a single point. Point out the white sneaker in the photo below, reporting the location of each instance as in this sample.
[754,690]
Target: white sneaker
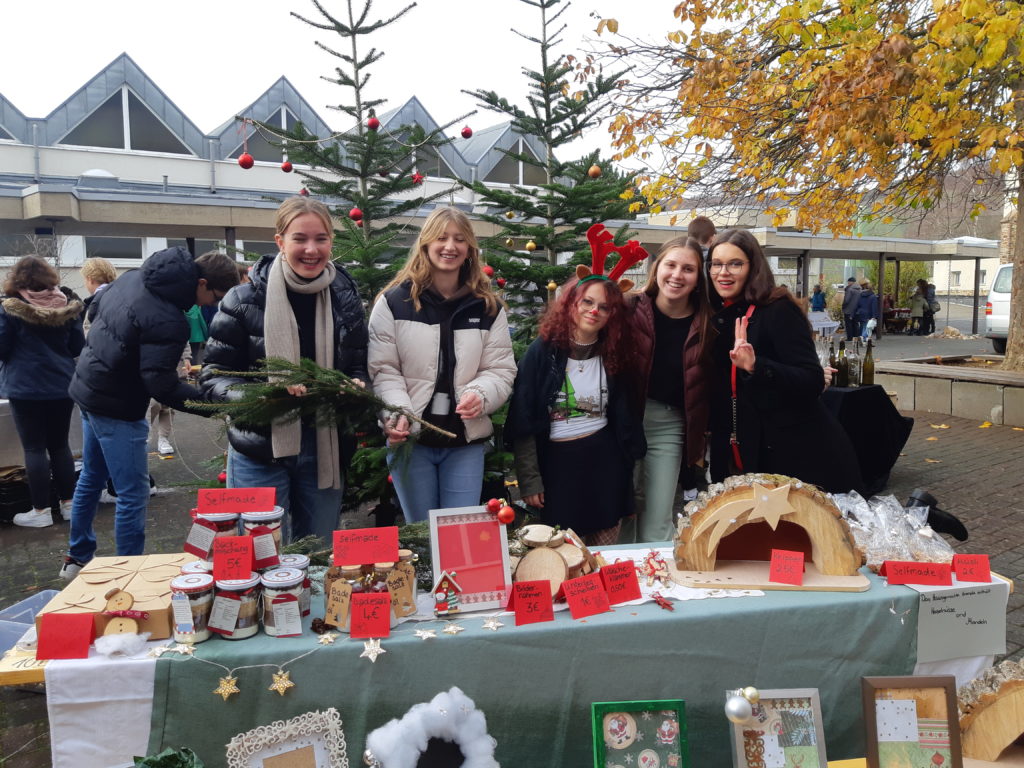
[689,494]
[164,447]
[34,518]
[71,568]
[65,509]
[106,498]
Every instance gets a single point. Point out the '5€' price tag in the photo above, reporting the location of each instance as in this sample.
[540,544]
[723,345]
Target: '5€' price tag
[232,557]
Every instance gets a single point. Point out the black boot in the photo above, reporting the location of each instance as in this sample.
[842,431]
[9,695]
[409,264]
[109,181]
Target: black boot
[938,519]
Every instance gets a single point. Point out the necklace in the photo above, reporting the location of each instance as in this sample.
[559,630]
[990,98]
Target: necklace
[581,344]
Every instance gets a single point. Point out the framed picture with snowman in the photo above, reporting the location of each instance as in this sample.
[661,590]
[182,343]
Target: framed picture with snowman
[640,734]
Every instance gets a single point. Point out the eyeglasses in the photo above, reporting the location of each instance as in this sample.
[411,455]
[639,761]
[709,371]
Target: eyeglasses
[728,266]
[586,305]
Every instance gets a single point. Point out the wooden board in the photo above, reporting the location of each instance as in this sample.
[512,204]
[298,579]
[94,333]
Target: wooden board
[753,574]
[21,668]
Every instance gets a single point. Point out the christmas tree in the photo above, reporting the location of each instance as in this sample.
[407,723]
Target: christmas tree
[542,229]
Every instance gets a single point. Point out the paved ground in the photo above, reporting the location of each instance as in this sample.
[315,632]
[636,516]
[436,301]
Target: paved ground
[973,472]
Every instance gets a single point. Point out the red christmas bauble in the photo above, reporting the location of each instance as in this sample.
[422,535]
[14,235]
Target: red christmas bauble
[493,505]
[506,515]
[488,270]
[373,123]
[246,160]
[389,479]
[355,214]
[501,282]
[286,166]
[304,192]
[383,173]
[467,132]
[359,223]
[417,178]
[222,477]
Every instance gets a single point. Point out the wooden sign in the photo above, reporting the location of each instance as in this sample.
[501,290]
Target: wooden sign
[586,596]
[531,602]
[359,546]
[232,558]
[909,572]
[371,615]
[236,499]
[621,582]
[972,568]
[787,567]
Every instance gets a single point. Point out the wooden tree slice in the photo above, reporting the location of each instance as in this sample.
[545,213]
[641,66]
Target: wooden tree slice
[994,723]
[540,535]
[573,557]
[543,563]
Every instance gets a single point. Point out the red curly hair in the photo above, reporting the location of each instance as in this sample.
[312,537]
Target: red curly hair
[558,325]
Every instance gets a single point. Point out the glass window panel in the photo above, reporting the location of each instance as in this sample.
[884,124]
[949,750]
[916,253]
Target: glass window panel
[5,135]
[148,133]
[534,175]
[258,247]
[202,246]
[103,128]
[113,247]
[261,149]
[290,120]
[505,172]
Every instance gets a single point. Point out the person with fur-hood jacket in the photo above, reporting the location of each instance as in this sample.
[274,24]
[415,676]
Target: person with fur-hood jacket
[40,337]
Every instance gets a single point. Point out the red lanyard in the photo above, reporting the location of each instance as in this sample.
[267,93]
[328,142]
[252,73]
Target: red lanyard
[733,439]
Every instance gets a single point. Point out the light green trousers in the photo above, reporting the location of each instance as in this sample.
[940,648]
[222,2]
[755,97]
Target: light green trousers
[657,475]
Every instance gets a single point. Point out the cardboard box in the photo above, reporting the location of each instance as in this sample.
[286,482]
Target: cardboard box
[147,578]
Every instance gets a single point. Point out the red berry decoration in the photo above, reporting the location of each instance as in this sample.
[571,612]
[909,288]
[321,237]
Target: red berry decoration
[286,166]
[355,214]
[501,282]
[506,515]
[222,477]
[488,270]
[467,132]
[493,506]
[246,160]
[304,192]
[383,173]
[373,123]
[417,178]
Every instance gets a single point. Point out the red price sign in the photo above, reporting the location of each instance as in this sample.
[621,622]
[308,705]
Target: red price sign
[371,615]
[586,596]
[907,572]
[232,557]
[620,582]
[65,635]
[787,567]
[531,601]
[972,568]
[359,546]
[236,499]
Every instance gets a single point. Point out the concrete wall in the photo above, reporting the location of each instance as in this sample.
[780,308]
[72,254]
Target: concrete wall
[996,403]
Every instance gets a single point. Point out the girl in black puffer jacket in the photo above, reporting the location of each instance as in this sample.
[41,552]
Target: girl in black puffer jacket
[299,304]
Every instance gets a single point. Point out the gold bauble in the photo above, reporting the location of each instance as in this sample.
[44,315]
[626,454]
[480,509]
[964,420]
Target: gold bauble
[509,215]
[751,694]
[552,286]
[531,246]
[509,242]
[594,171]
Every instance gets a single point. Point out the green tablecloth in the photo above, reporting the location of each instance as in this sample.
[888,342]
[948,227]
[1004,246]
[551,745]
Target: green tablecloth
[536,683]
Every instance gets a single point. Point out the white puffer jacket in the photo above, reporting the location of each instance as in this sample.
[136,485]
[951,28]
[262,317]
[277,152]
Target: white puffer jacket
[405,349]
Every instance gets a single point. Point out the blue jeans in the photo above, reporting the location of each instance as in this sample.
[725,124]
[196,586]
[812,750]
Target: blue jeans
[437,478]
[308,510]
[116,449]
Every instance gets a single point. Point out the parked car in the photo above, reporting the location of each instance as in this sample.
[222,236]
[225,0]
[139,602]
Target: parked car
[997,310]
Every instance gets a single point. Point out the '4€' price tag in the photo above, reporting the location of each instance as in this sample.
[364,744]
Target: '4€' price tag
[232,557]
[371,615]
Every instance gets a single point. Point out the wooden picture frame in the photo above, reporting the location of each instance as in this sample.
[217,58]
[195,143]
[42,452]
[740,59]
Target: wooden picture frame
[918,721]
[311,740]
[640,734]
[470,544]
[785,729]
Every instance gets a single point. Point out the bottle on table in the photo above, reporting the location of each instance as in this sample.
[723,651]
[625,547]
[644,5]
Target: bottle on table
[867,377]
[842,367]
[832,363]
[853,364]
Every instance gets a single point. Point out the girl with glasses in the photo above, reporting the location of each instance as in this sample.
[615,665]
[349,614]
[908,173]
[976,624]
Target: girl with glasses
[766,412]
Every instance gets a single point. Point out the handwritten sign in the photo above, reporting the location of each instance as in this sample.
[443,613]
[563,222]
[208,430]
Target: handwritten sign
[586,596]
[236,499]
[787,567]
[371,615]
[359,546]
[972,568]
[200,538]
[339,599]
[967,620]
[400,583]
[232,557]
[905,572]
[65,635]
[620,582]
[531,601]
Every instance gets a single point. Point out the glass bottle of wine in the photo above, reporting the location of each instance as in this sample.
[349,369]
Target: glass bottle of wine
[832,354]
[867,377]
[853,364]
[843,367]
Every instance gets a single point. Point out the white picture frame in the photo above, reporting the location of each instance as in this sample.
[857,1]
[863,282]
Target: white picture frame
[317,736]
[486,581]
[774,714]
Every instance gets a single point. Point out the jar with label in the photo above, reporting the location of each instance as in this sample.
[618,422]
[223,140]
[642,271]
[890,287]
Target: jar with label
[379,579]
[352,575]
[269,519]
[302,563]
[282,593]
[225,523]
[191,603]
[246,593]
[197,566]
[407,560]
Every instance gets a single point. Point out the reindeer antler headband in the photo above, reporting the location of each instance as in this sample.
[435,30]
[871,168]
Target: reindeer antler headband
[602,243]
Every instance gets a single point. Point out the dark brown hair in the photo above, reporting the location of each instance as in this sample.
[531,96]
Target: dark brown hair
[219,270]
[30,273]
[701,229]
[759,288]
[699,299]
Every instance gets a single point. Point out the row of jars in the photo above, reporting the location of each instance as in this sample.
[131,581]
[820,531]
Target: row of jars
[233,523]
[194,594]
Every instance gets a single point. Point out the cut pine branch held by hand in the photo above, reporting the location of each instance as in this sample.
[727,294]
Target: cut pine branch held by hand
[331,398]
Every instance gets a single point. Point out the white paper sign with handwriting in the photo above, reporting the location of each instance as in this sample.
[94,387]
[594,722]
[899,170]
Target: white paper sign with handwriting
[968,619]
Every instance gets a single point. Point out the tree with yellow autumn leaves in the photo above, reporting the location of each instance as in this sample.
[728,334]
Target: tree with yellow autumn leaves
[828,111]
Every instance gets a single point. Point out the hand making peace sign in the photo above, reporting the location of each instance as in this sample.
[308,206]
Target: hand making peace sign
[742,353]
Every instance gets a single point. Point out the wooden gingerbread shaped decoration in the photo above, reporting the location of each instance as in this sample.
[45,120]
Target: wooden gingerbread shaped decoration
[121,618]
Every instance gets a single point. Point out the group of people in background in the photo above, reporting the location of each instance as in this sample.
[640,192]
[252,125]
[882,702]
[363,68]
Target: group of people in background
[622,392]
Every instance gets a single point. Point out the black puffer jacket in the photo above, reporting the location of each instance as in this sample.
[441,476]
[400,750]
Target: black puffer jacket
[136,338]
[236,343]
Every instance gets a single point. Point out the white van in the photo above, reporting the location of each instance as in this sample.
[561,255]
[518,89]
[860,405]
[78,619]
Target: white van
[997,310]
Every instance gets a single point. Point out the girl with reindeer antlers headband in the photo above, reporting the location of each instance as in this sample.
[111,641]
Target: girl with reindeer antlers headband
[570,422]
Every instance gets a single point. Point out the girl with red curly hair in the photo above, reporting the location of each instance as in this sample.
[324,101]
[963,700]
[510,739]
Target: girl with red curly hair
[570,423]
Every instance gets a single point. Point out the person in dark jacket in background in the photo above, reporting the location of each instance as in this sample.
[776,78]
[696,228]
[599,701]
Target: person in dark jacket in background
[851,297]
[818,299]
[867,309]
[40,337]
[298,304]
[132,354]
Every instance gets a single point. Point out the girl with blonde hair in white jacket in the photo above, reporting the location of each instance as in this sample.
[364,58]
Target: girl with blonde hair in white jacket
[440,347]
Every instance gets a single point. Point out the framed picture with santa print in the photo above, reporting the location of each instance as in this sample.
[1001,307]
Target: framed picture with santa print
[640,734]
[784,729]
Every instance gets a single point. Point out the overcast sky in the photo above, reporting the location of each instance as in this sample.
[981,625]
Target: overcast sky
[212,58]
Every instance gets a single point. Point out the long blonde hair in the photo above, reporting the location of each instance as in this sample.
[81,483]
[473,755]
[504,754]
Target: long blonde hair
[298,205]
[417,266]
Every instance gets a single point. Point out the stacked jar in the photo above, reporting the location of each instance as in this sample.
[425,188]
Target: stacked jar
[247,592]
[191,603]
[378,582]
[225,523]
[197,566]
[302,563]
[283,585]
[262,523]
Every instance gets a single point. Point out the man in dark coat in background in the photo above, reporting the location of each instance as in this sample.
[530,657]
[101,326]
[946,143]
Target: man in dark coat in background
[850,298]
[131,355]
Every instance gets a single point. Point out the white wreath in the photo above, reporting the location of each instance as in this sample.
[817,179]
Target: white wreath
[451,716]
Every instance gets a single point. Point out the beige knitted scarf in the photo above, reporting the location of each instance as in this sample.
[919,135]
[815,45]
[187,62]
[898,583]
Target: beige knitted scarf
[281,338]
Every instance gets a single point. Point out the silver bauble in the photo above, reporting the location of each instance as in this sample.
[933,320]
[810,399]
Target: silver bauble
[738,709]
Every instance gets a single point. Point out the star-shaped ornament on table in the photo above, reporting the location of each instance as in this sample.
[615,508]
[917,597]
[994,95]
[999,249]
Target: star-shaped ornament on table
[281,682]
[328,639]
[425,634]
[227,687]
[156,653]
[451,628]
[371,650]
[493,624]
[184,649]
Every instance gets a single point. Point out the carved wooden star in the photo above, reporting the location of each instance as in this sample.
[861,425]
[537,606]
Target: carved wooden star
[451,628]
[493,624]
[281,682]
[227,687]
[156,653]
[425,634]
[327,639]
[371,650]
[770,504]
[184,649]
